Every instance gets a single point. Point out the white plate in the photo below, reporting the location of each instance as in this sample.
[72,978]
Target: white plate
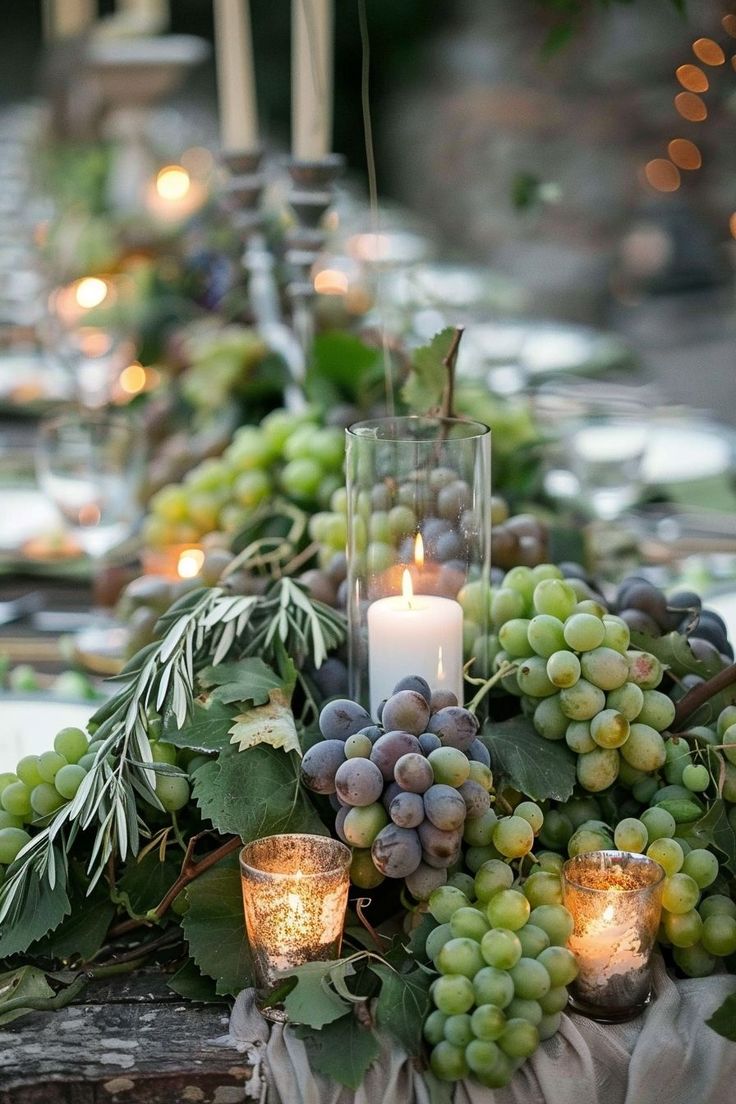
[28,727]
[25,513]
[682,453]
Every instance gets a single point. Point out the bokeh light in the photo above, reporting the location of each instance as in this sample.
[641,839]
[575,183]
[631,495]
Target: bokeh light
[729,24]
[732,224]
[691,107]
[90,292]
[685,154]
[708,51]
[190,563]
[133,379]
[331,281]
[692,78]
[173,182]
[662,175]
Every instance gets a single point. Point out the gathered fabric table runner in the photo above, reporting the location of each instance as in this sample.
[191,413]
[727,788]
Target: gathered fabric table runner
[666,1056]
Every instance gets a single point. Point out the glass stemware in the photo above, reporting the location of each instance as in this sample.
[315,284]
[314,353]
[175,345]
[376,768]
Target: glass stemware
[90,465]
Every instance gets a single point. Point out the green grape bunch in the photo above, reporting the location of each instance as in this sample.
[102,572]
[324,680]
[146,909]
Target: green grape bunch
[288,454]
[499,950]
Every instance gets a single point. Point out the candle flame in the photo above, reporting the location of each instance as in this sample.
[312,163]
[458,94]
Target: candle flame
[173,182]
[608,914]
[419,551]
[190,563]
[406,587]
[90,292]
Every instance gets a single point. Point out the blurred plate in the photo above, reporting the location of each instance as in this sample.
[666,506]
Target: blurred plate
[31,381]
[28,726]
[682,452]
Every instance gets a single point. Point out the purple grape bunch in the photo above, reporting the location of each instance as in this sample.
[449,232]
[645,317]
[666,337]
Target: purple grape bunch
[403,786]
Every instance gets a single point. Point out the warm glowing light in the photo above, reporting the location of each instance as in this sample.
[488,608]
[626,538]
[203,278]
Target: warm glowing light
[419,551]
[692,78]
[89,514]
[407,589]
[173,182]
[685,154]
[662,175]
[90,291]
[133,379]
[93,342]
[691,107]
[369,247]
[732,224]
[708,51]
[729,25]
[190,563]
[440,666]
[330,281]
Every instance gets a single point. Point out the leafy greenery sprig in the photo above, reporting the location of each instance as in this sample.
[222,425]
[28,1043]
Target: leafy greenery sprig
[199,632]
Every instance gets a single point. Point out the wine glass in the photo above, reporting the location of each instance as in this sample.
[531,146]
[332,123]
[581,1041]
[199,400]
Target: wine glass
[90,465]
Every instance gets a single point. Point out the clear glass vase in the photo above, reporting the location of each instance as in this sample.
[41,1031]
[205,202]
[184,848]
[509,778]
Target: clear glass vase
[419,540]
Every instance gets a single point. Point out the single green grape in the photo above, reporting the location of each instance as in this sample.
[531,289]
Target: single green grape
[702,866]
[519,1039]
[12,840]
[16,800]
[447,1062]
[453,994]
[468,923]
[513,836]
[487,1022]
[583,632]
[667,853]
[491,878]
[695,777]
[508,909]
[627,699]
[563,668]
[556,920]
[683,929]
[545,635]
[458,1030]
[680,894]
[172,790]
[493,986]
[560,963]
[631,835]
[45,799]
[69,779]
[609,729]
[719,935]
[658,823]
[501,948]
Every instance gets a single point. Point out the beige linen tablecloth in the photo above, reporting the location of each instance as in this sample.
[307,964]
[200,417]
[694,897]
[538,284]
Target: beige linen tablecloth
[666,1056]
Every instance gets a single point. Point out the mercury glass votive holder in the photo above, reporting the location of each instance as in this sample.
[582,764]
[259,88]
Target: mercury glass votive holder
[295,894]
[615,898]
[419,541]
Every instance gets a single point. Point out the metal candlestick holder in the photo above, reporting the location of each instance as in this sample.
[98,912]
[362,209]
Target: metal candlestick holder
[311,196]
[243,195]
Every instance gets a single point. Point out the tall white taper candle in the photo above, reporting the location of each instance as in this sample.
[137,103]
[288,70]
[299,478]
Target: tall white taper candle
[311,78]
[67,18]
[236,85]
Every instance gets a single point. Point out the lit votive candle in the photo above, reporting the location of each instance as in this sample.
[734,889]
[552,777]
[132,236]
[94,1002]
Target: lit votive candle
[174,562]
[295,893]
[414,634]
[615,898]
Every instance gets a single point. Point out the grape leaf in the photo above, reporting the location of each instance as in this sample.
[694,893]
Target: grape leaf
[83,932]
[27,982]
[189,983]
[723,1020]
[145,881]
[714,829]
[426,381]
[207,728]
[418,938]
[41,910]
[537,767]
[267,724]
[214,927]
[674,652]
[342,1050]
[313,1001]
[248,680]
[341,368]
[255,793]
[403,1004]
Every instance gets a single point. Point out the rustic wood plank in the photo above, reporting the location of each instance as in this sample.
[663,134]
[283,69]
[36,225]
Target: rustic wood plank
[134,1049]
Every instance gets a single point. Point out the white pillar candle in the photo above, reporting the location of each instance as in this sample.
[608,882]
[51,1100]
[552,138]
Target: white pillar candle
[311,78]
[412,634]
[152,13]
[236,86]
[67,18]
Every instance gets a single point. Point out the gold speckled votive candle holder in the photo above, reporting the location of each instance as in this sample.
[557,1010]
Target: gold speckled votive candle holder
[295,893]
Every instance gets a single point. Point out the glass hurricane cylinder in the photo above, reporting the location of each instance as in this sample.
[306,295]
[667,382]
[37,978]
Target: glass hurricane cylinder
[295,893]
[419,540]
[615,898]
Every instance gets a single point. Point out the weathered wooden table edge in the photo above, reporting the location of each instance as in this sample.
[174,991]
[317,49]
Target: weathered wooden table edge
[134,1042]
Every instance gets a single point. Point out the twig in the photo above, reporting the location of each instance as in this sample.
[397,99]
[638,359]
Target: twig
[505,669]
[447,409]
[702,693]
[189,871]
